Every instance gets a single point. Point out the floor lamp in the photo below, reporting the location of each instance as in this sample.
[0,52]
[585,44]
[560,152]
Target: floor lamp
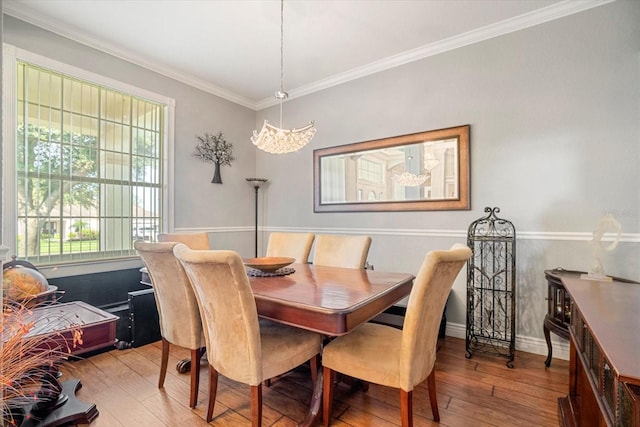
[256,183]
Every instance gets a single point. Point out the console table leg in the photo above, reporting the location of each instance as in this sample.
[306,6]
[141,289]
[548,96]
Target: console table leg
[547,337]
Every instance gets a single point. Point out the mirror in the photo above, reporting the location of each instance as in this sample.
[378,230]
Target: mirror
[421,171]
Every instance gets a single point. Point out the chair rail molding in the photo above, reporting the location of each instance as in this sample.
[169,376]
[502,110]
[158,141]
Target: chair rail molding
[461,233]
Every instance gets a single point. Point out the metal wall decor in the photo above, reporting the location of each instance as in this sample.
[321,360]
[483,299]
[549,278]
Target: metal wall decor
[491,287]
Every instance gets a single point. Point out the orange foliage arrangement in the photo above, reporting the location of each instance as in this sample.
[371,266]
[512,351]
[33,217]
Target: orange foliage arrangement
[29,360]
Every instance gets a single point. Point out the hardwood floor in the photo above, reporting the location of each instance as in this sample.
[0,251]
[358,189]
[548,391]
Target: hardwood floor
[480,391]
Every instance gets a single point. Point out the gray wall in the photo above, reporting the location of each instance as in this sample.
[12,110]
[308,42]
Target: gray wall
[555,143]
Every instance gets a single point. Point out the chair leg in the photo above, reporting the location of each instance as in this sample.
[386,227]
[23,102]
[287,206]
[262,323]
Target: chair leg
[431,384]
[256,405]
[406,408]
[163,363]
[329,376]
[195,376]
[213,389]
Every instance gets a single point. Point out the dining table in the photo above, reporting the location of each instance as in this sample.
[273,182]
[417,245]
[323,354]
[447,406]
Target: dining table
[328,300]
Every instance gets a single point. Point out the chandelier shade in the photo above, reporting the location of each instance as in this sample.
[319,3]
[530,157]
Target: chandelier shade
[409,179]
[277,140]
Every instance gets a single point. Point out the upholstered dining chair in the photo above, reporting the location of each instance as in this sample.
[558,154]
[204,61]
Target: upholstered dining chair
[246,350]
[397,358]
[193,240]
[293,245]
[178,312]
[341,251]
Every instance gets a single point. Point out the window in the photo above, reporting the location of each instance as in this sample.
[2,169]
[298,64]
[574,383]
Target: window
[90,173]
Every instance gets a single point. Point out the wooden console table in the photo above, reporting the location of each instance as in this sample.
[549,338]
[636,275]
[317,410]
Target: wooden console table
[558,315]
[604,384]
[98,331]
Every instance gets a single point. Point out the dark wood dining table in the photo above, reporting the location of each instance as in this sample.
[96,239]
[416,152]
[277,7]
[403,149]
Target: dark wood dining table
[329,300]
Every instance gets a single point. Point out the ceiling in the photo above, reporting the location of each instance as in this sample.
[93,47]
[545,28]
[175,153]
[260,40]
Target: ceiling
[232,48]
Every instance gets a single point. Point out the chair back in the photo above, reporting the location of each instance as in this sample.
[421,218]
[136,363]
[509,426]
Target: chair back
[228,312]
[294,245]
[426,303]
[341,251]
[177,306]
[192,240]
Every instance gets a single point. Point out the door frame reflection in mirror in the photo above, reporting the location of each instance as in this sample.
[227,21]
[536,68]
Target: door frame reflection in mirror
[380,187]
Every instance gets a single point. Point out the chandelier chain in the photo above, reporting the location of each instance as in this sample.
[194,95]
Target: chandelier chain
[281,46]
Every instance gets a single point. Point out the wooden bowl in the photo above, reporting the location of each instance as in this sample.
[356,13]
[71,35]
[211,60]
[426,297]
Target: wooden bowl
[268,264]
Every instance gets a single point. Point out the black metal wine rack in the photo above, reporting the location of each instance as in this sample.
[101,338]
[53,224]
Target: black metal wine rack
[491,287]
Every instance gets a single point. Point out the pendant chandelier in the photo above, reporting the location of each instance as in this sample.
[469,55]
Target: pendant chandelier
[409,179]
[277,140]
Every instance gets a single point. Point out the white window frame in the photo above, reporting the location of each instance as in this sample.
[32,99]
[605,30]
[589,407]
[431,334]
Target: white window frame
[11,55]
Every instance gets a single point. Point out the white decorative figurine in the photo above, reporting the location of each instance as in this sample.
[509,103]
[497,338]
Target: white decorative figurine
[607,223]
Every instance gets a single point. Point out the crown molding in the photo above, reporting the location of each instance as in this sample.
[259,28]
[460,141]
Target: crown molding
[540,16]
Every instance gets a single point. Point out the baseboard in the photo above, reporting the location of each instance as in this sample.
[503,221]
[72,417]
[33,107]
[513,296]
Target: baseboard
[527,344]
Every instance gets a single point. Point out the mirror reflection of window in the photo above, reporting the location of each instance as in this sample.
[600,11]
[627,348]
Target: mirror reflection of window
[369,170]
[451,173]
[333,179]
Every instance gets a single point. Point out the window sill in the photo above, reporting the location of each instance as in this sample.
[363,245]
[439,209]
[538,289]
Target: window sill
[89,267]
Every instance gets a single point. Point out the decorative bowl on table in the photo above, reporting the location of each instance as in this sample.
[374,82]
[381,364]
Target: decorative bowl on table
[268,264]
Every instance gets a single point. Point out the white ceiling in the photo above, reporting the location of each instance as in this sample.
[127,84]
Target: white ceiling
[232,48]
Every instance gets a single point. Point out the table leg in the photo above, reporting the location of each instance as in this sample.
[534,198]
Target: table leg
[313,416]
[183,366]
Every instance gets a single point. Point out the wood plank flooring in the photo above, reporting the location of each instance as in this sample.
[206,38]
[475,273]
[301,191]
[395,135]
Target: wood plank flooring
[477,392]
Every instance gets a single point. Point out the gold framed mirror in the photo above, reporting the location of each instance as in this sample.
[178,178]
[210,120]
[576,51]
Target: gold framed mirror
[420,171]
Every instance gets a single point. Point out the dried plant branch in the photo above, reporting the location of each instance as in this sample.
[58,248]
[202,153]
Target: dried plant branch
[29,359]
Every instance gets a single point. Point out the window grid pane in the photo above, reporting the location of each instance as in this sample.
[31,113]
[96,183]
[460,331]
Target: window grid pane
[82,194]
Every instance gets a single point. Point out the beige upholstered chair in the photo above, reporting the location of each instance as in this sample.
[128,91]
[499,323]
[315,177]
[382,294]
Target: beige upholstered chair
[178,311]
[341,251]
[193,240]
[396,358]
[246,350]
[293,245]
